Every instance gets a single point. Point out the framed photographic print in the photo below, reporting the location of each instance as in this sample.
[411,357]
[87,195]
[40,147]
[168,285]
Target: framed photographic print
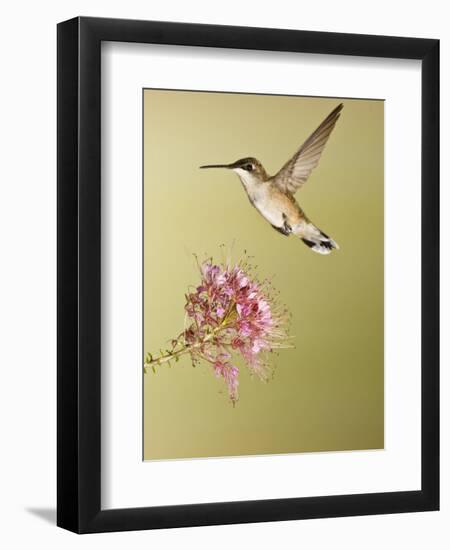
[248,290]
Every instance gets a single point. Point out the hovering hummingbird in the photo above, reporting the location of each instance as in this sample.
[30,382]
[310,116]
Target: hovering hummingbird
[273,196]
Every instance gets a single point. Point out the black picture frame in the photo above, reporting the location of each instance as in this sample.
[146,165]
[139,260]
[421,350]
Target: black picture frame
[79,280]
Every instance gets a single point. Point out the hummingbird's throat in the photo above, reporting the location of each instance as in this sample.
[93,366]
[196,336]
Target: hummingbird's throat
[248,179]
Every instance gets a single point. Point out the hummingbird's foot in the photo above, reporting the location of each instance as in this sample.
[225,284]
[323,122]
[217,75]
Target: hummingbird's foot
[284,229]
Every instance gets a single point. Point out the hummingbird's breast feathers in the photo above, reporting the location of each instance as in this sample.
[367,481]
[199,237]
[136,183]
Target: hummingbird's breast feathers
[274,205]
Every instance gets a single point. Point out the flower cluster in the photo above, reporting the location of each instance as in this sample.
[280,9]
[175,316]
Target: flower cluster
[230,313]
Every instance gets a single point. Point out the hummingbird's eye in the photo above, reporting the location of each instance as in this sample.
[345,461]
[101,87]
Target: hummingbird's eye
[248,167]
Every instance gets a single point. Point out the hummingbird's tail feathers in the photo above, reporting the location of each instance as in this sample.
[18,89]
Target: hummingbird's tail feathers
[317,240]
[321,247]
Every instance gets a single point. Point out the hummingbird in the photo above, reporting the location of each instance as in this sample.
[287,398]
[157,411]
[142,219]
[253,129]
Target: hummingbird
[273,196]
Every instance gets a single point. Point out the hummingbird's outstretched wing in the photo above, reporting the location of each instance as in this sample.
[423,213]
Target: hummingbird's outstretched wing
[297,170]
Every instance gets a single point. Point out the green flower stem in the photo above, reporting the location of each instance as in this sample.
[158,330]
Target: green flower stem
[175,355]
[169,356]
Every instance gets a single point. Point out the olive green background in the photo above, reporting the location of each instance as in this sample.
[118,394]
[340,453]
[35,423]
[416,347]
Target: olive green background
[327,393]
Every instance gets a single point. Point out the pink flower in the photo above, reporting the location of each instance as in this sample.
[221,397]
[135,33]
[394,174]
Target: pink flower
[230,374]
[231,311]
[230,314]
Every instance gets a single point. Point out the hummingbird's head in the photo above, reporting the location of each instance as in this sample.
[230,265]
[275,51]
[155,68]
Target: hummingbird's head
[247,168]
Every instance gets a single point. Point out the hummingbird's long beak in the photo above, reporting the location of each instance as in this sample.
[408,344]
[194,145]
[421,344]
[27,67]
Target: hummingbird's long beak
[217,166]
